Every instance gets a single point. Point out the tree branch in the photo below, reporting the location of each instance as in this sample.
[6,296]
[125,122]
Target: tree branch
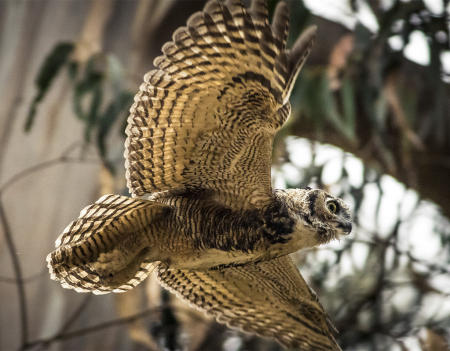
[63,158]
[19,280]
[92,329]
[18,273]
[29,279]
[74,316]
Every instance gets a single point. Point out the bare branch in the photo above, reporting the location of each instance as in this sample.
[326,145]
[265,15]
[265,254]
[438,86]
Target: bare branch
[92,329]
[63,158]
[18,273]
[430,265]
[19,280]
[29,279]
[75,314]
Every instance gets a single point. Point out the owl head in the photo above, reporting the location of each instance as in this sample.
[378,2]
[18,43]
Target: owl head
[320,217]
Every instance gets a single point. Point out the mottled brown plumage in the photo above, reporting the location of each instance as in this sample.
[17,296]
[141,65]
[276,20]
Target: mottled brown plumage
[203,212]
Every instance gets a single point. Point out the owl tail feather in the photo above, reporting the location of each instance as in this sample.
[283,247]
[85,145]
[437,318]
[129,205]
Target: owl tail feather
[107,248]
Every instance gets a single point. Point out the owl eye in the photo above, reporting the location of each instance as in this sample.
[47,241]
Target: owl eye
[332,207]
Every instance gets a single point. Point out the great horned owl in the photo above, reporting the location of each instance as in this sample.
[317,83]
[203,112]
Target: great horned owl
[203,212]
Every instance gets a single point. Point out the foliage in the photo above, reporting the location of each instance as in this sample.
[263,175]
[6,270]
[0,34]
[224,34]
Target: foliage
[51,66]
[370,100]
[101,76]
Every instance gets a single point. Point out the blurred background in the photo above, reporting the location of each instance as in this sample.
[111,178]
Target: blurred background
[370,123]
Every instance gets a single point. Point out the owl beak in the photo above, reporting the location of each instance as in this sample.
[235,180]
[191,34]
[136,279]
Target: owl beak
[346,227]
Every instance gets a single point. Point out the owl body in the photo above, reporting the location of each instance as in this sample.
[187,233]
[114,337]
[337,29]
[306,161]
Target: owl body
[203,213]
[196,232]
[200,233]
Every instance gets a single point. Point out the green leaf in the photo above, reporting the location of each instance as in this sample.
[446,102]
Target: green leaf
[52,64]
[348,106]
[118,105]
[88,95]
[313,98]
[299,19]
[94,113]
[326,105]
[380,113]
[72,68]
[363,37]
[115,71]
[306,99]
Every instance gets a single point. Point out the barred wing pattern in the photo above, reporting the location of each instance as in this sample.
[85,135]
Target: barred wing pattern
[269,298]
[206,117]
[104,249]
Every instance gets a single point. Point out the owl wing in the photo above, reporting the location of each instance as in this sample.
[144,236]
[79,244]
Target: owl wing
[205,118]
[269,298]
[105,249]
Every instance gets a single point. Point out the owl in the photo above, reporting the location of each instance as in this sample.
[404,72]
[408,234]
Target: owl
[203,214]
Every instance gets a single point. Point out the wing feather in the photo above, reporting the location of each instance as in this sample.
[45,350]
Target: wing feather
[205,118]
[268,298]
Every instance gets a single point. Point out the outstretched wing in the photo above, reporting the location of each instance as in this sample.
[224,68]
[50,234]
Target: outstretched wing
[206,117]
[269,298]
[104,250]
